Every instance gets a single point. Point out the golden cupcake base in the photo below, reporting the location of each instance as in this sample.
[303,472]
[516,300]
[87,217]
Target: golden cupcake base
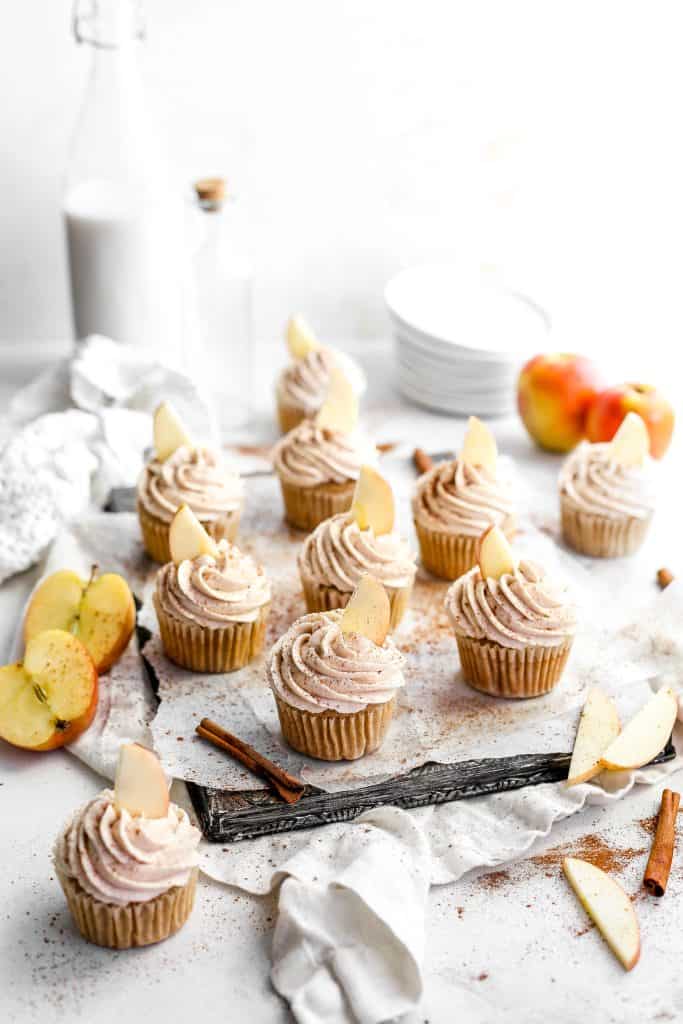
[601,536]
[449,555]
[134,924]
[290,416]
[306,507]
[331,736]
[202,649]
[506,672]
[320,597]
[155,532]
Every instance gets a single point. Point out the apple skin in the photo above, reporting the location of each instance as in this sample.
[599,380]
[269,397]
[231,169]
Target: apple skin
[62,737]
[554,394]
[610,406]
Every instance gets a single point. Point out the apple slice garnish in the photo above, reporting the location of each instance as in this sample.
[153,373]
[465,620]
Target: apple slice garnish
[608,906]
[479,446]
[373,502]
[169,431]
[368,611]
[50,697]
[339,411]
[140,787]
[645,735]
[495,555]
[598,727]
[631,443]
[187,538]
[300,338]
[99,611]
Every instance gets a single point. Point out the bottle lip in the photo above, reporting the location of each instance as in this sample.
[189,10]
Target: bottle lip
[108,24]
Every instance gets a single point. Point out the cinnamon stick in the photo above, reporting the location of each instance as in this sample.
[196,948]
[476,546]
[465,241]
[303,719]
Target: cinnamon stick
[287,786]
[422,461]
[386,446]
[661,854]
[664,578]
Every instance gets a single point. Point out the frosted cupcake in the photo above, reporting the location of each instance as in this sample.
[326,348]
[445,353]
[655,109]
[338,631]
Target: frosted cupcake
[127,860]
[212,601]
[605,501]
[514,625]
[456,501]
[333,683]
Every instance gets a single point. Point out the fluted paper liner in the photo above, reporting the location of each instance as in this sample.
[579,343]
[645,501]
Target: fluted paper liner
[305,507]
[601,536]
[508,672]
[202,649]
[448,555]
[321,597]
[134,924]
[290,416]
[332,736]
[155,532]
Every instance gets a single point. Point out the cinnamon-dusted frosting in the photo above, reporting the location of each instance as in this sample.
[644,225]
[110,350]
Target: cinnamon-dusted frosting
[521,609]
[455,497]
[338,553]
[593,482]
[304,383]
[315,667]
[118,858]
[213,592]
[308,455]
[191,476]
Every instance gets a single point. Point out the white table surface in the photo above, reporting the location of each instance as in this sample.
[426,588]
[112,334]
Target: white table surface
[510,945]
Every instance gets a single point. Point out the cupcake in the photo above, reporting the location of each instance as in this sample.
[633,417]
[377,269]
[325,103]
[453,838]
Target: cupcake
[212,601]
[457,500]
[605,503]
[335,685]
[513,625]
[127,861]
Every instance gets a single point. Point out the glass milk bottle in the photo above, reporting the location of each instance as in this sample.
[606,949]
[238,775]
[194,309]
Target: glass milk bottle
[124,221]
[223,278]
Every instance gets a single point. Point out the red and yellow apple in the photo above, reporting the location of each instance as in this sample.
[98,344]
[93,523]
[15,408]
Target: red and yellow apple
[554,394]
[140,787]
[609,408]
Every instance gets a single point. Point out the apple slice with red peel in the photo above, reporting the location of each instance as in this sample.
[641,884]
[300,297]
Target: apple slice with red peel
[373,502]
[339,411]
[479,446]
[187,538]
[645,735]
[598,727]
[140,787]
[495,554]
[300,338]
[50,697]
[608,906]
[169,431]
[368,611]
[631,443]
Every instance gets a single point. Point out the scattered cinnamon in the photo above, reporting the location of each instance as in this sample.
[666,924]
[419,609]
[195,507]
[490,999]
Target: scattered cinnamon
[664,578]
[422,461]
[661,855]
[285,785]
[386,446]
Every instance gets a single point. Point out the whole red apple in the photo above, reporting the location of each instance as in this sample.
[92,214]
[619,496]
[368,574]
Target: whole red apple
[554,393]
[610,406]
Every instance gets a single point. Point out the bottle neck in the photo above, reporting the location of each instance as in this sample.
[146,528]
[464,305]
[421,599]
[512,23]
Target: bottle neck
[108,24]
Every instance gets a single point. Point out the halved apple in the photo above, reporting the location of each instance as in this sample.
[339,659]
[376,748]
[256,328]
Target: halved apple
[169,431]
[300,338]
[373,502]
[598,727]
[99,611]
[631,443]
[479,446]
[368,611]
[140,787]
[50,697]
[187,538]
[645,735]
[339,411]
[495,554]
[609,907]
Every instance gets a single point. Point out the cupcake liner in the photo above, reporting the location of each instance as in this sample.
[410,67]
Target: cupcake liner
[134,924]
[601,536]
[202,649]
[449,555]
[507,672]
[305,507]
[321,597]
[155,531]
[332,736]
[290,416]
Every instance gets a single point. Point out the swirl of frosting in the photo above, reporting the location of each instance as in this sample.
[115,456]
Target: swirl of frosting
[305,381]
[309,455]
[338,553]
[118,858]
[458,498]
[315,667]
[593,482]
[191,476]
[211,591]
[520,609]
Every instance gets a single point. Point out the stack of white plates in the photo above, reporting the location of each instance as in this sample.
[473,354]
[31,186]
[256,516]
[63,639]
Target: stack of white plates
[459,343]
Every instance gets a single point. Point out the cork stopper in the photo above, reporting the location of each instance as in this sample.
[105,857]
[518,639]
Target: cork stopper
[210,192]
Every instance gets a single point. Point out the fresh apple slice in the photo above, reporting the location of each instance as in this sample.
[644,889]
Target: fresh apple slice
[50,698]
[140,787]
[631,443]
[368,611]
[607,904]
[373,502]
[300,338]
[495,554]
[339,411]
[479,446]
[169,431]
[187,538]
[644,735]
[598,727]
